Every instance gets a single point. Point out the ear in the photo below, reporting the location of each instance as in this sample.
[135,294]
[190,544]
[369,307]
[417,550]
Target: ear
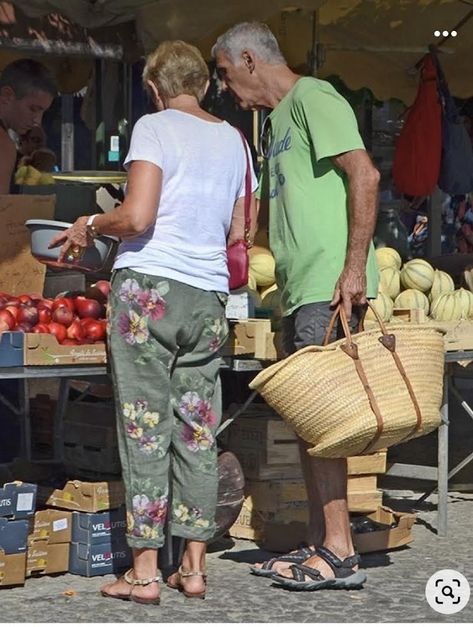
[7,94]
[156,97]
[248,60]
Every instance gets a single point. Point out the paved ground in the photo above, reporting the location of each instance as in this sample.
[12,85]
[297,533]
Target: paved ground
[394,591]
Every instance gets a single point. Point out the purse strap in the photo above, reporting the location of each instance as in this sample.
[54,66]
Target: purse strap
[247,191]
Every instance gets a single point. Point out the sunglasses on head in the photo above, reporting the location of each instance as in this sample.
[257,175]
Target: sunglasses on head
[266,138]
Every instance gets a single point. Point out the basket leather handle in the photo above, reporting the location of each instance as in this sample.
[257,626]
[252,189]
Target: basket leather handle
[388,340]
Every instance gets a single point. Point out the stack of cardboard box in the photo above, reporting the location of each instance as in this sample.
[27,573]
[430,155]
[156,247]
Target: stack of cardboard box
[17,505]
[98,527]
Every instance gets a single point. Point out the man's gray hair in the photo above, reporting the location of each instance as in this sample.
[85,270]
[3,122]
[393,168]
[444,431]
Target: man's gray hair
[254,36]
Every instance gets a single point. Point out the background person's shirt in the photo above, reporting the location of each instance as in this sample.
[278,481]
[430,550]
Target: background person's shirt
[204,167]
[308,195]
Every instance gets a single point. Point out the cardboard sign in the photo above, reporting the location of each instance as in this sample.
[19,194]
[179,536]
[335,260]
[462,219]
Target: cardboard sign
[20,273]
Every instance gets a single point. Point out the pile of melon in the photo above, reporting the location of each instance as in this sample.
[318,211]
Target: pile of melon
[262,280]
[416,285]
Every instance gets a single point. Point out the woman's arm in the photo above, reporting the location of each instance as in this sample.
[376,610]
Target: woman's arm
[133,217]
[237,227]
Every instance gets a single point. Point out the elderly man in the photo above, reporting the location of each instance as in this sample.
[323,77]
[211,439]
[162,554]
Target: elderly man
[322,191]
[26,92]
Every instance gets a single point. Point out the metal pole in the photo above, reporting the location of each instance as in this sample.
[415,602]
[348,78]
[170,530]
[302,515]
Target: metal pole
[67,132]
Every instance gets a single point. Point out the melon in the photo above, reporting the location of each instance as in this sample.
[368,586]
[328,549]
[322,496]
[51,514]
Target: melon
[272,300]
[446,307]
[465,297]
[412,299]
[267,290]
[383,306]
[251,281]
[417,274]
[389,282]
[441,284]
[388,258]
[262,267]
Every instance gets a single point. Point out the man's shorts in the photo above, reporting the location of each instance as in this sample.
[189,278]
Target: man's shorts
[308,325]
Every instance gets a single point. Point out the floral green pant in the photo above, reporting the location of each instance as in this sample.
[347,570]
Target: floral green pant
[164,338]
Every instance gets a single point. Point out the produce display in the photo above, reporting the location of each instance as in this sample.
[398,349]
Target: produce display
[417,285]
[73,319]
[262,280]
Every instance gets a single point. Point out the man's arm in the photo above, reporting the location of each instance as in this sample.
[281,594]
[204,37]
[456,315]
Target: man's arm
[363,179]
[7,161]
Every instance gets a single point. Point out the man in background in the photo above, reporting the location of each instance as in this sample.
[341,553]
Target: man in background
[27,90]
[322,191]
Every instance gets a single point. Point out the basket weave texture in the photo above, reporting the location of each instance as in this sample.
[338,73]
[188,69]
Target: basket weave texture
[319,392]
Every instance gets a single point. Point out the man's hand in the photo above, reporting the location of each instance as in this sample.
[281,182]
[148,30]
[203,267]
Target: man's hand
[350,289]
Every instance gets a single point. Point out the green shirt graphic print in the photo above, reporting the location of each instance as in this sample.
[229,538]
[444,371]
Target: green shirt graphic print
[308,199]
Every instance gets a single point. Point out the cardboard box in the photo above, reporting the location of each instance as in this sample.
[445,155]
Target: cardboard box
[99,559]
[47,559]
[12,569]
[13,536]
[17,499]
[20,273]
[53,526]
[98,528]
[240,305]
[247,337]
[86,496]
[42,349]
[397,531]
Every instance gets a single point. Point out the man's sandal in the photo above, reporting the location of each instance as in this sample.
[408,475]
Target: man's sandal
[345,578]
[177,584]
[136,582]
[295,557]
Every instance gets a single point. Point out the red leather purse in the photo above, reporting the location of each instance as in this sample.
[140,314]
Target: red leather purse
[237,253]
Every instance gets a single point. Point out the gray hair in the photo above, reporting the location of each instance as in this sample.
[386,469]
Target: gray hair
[254,36]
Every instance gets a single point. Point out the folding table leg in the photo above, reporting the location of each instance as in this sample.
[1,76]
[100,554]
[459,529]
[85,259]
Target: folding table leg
[442,463]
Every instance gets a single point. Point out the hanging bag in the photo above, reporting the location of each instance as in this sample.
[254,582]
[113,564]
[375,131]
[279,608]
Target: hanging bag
[237,253]
[361,393]
[456,167]
[418,150]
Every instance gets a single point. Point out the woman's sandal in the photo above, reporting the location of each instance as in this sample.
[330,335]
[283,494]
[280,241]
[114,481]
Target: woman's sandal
[136,582]
[345,578]
[295,557]
[178,584]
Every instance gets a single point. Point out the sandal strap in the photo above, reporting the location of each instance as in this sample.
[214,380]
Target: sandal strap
[189,573]
[336,563]
[141,582]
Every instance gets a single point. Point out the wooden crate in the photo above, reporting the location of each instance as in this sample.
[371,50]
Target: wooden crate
[270,505]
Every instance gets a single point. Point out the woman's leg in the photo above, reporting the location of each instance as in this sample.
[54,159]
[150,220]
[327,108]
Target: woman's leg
[196,400]
[141,364]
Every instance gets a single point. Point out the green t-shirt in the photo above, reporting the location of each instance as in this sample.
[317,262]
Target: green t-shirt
[308,201]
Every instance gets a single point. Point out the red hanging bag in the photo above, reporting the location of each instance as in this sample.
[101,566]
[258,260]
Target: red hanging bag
[418,151]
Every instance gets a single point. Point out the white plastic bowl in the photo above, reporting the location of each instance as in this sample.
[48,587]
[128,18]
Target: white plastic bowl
[43,231]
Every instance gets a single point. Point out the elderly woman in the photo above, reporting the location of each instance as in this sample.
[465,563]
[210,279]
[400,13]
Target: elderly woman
[184,204]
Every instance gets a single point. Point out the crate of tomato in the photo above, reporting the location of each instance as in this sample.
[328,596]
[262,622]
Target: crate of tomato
[37,331]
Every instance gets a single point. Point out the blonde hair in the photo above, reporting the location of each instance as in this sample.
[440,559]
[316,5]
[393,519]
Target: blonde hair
[176,68]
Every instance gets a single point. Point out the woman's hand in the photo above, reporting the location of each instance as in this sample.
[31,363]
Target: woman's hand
[74,240]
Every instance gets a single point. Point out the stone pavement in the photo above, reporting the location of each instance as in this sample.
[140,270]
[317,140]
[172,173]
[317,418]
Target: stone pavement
[394,591]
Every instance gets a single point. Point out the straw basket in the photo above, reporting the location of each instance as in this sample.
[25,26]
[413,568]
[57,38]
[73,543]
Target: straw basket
[361,393]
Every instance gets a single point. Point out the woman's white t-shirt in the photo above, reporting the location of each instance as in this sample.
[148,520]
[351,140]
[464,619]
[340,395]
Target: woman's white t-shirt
[204,167]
